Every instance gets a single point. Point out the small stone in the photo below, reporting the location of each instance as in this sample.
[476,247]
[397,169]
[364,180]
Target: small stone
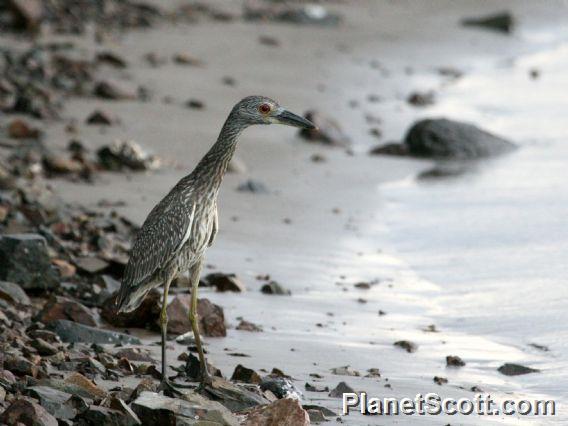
[248,326]
[275,288]
[245,375]
[14,294]
[440,380]
[112,59]
[135,354]
[87,386]
[44,348]
[421,99]
[280,386]
[253,186]
[345,371]
[408,346]
[510,369]
[66,269]
[112,91]
[313,388]
[328,131]
[340,389]
[19,129]
[195,104]
[100,118]
[225,282]
[269,41]
[316,416]
[20,366]
[454,361]
[281,412]
[186,59]
[24,411]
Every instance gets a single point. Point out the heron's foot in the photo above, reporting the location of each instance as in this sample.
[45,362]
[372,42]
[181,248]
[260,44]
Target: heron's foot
[172,389]
[206,380]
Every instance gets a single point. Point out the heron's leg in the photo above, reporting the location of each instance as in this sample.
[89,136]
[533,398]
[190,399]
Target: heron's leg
[193,319]
[164,326]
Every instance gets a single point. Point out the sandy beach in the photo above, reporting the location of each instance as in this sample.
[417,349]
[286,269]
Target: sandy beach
[324,226]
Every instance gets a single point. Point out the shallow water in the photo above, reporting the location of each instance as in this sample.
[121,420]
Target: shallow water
[495,238]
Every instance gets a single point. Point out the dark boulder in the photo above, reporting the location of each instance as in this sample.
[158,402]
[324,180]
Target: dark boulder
[27,412]
[24,260]
[443,138]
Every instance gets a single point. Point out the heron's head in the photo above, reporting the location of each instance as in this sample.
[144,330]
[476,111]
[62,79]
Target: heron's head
[262,110]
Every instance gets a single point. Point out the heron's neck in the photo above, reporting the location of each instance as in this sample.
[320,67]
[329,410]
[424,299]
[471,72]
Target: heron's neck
[213,166]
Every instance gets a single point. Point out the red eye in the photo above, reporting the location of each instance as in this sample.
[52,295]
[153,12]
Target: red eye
[264,108]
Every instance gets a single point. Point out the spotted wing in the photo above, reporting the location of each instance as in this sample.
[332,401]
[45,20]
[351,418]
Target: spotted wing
[163,234]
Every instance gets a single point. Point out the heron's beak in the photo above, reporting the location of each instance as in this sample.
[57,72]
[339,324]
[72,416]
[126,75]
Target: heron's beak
[290,119]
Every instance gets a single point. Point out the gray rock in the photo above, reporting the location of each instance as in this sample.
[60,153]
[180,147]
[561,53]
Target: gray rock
[56,402]
[13,293]
[97,415]
[72,332]
[275,288]
[153,408]
[24,260]
[232,396]
[340,389]
[509,369]
[502,22]
[443,138]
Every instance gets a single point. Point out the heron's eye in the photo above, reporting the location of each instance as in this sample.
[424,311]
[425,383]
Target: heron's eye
[264,108]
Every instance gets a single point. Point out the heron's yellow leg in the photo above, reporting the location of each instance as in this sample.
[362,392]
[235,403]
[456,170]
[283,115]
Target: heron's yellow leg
[194,320]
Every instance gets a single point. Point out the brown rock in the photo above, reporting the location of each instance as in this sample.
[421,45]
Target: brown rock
[454,361]
[62,165]
[246,375]
[211,317]
[19,129]
[24,411]
[65,269]
[77,379]
[146,314]
[408,346]
[178,316]
[112,91]
[62,308]
[225,282]
[20,366]
[283,412]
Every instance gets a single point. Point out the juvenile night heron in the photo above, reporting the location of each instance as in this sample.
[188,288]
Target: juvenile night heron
[180,228]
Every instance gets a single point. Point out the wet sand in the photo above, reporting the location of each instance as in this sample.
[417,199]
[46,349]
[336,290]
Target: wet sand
[320,254]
